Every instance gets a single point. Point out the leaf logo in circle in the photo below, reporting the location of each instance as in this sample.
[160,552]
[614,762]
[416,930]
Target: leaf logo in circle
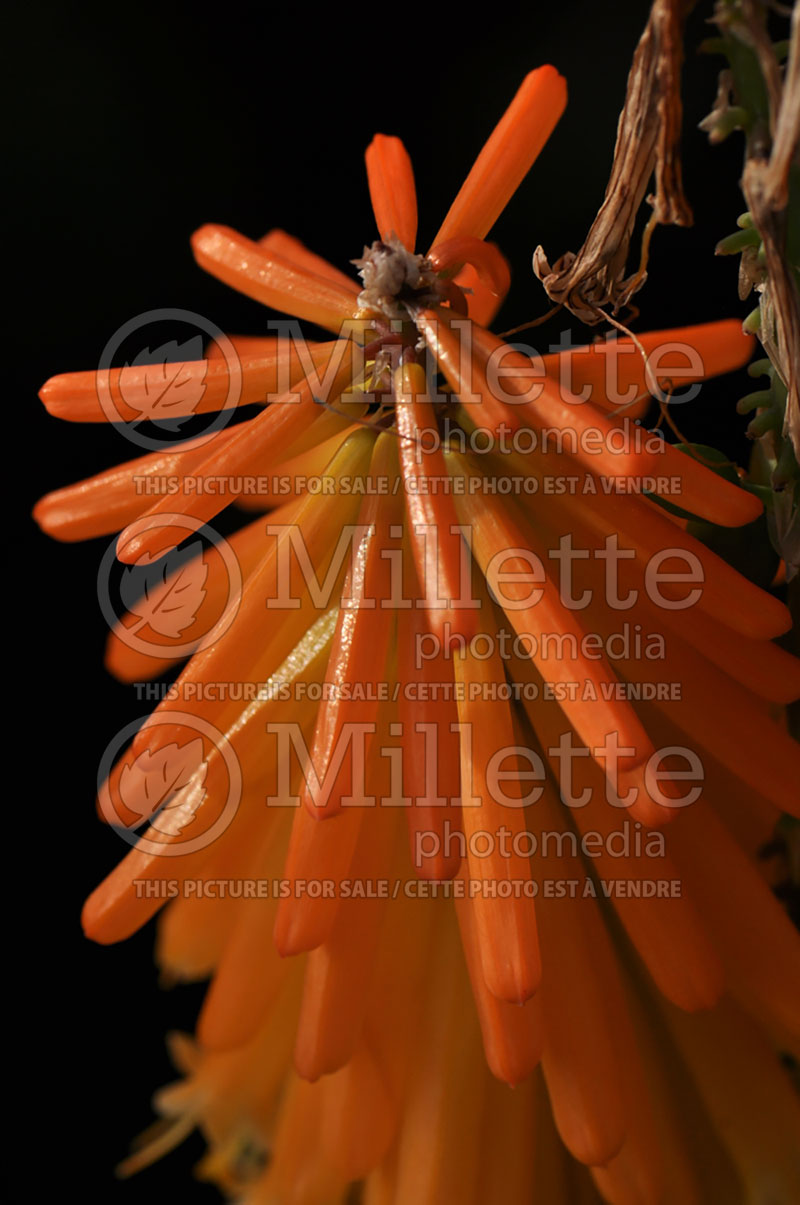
[152,786]
[166,592]
[167,385]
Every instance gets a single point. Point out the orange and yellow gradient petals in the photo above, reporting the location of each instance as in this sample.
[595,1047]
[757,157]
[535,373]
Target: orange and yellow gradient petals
[542,403]
[437,1151]
[338,973]
[491,799]
[280,582]
[298,1171]
[241,375]
[109,501]
[508,1148]
[317,852]
[747,1093]
[514,565]
[758,944]
[292,478]
[359,1116]
[491,267]
[358,661]
[270,279]
[668,933]
[513,1036]
[644,528]
[580,1059]
[431,777]
[291,249]
[529,398]
[613,375]
[391,189]
[256,447]
[439,552]
[117,908]
[131,661]
[250,973]
[507,156]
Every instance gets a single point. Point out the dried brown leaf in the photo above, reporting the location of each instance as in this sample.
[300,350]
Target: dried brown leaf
[648,138]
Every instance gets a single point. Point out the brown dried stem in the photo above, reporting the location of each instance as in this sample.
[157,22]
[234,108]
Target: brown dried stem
[648,137]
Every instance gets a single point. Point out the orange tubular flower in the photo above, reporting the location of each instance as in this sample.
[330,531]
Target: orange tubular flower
[510,745]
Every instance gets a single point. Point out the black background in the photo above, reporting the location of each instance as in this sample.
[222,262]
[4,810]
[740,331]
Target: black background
[131,126]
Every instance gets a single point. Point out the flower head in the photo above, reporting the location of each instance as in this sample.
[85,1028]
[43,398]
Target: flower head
[471,636]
